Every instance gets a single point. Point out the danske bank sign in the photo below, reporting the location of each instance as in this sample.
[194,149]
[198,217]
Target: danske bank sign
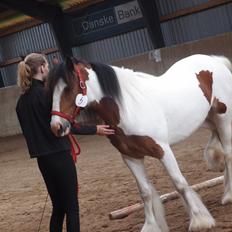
[128,12]
[107,19]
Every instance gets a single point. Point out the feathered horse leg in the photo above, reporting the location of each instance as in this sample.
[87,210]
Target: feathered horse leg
[153,209]
[200,217]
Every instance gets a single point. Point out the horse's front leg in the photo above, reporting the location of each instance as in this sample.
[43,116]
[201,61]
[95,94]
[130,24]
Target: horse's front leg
[153,209]
[200,217]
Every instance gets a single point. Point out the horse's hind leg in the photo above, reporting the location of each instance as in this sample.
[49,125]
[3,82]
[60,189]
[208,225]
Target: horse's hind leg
[153,208]
[200,218]
[214,154]
[223,124]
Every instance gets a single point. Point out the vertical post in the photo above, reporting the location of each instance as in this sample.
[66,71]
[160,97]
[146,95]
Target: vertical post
[61,25]
[1,80]
[151,17]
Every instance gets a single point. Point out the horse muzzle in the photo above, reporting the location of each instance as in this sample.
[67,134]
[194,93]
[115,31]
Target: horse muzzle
[60,128]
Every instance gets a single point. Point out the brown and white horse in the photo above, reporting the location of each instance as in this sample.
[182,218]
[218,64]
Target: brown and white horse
[151,113]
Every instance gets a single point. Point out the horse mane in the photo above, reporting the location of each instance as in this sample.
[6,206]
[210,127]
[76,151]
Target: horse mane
[107,79]
[106,76]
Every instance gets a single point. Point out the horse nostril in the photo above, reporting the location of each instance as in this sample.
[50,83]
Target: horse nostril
[66,125]
[60,130]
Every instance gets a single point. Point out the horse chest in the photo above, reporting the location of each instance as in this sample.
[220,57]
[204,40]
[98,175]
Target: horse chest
[131,145]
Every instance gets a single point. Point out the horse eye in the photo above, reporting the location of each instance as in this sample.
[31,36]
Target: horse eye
[66,89]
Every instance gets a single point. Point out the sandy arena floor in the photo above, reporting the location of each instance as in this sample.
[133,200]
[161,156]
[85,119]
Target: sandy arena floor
[105,185]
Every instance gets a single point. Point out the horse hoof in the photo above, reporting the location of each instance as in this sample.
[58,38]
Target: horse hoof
[200,222]
[227,198]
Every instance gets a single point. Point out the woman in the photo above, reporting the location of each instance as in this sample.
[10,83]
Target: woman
[53,153]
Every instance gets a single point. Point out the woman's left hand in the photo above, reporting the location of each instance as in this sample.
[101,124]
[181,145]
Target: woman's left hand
[104,130]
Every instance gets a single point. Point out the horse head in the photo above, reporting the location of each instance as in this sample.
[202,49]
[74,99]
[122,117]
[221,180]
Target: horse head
[66,83]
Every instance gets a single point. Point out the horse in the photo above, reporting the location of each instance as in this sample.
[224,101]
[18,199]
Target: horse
[151,113]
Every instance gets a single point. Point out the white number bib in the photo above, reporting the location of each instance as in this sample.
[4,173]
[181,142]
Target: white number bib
[81,100]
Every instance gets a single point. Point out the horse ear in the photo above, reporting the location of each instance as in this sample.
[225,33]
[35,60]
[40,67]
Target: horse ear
[55,60]
[69,63]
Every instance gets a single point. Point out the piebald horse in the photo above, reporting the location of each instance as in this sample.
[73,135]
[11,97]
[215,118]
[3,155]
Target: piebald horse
[151,113]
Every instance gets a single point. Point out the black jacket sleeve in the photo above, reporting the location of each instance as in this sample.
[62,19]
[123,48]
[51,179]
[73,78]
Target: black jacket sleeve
[84,130]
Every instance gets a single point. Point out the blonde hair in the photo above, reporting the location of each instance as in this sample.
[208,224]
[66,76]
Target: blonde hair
[28,68]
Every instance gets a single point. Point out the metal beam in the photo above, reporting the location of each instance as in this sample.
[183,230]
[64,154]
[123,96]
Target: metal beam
[61,26]
[44,11]
[47,11]
[151,17]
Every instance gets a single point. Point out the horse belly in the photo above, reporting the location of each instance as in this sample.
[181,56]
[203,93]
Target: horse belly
[185,115]
[167,119]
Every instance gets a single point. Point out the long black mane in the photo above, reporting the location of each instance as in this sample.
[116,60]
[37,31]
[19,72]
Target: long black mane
[106,76]
[107,79]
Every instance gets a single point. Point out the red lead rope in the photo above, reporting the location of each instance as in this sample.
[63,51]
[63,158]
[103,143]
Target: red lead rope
[74,144]
[75,148]
[76,112]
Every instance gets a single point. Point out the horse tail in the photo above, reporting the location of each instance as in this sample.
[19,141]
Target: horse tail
[224,60]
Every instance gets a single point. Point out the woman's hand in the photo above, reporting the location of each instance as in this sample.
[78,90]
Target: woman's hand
[104,130]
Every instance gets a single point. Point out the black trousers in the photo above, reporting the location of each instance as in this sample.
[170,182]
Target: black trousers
[59,174]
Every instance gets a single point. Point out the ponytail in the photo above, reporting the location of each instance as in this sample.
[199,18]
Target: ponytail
[24,76]
[28,68]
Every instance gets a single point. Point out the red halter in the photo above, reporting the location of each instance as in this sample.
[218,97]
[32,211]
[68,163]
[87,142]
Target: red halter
[71,118]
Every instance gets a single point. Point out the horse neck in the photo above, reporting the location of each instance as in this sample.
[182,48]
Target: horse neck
[134,85]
